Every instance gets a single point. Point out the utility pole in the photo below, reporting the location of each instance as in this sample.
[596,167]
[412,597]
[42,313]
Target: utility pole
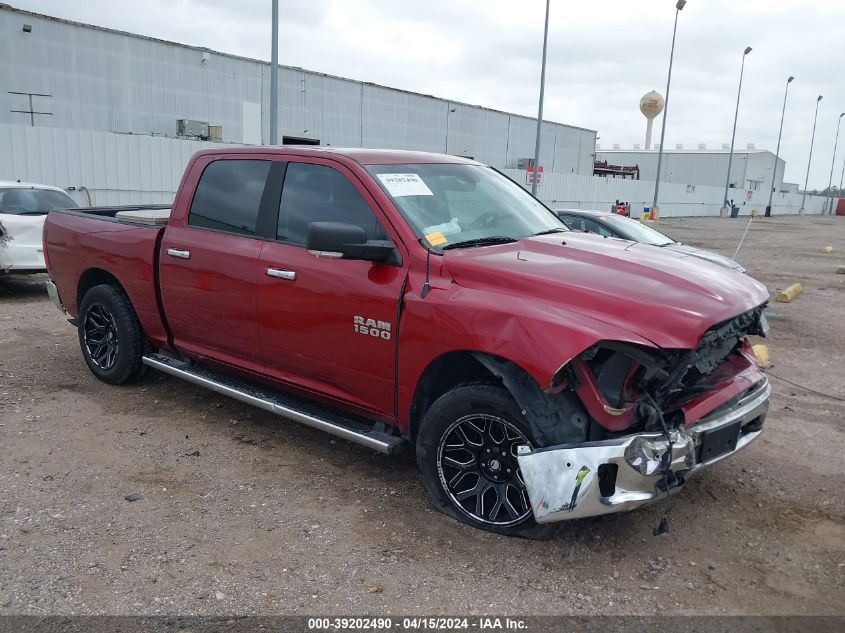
[733,136]
[832,163]
[810,160]
[540,108]
[777,151]
[655,210]
[274,78]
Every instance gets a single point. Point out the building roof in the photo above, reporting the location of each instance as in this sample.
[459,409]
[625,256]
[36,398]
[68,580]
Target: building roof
[8,7]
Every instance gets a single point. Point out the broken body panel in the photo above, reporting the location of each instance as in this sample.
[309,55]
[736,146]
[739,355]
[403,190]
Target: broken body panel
[595,478]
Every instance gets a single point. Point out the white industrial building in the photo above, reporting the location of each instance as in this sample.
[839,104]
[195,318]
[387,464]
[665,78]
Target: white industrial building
[114,117]
[61,74]
[751,169]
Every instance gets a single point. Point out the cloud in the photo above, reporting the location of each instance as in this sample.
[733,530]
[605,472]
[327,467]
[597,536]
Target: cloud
[602,57]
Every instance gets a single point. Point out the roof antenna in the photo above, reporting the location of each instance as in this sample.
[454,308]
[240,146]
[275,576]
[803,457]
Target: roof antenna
[426,286]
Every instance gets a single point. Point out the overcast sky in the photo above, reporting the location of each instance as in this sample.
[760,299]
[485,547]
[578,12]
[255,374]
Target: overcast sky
[603,56]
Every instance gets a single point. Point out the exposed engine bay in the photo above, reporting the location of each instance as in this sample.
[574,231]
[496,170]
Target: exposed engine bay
[629,388]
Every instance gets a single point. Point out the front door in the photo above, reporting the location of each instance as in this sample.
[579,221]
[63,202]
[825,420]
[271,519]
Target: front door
[328,325]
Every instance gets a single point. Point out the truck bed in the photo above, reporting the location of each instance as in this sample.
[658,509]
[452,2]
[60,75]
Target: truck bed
[131,214]
[91,245]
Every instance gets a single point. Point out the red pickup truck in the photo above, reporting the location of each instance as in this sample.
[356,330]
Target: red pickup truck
[408,299]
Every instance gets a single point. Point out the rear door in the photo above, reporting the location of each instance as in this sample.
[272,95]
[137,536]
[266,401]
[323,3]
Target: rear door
[209,266]
[329,325]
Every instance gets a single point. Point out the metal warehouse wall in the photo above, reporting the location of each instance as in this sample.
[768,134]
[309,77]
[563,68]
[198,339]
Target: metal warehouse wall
[115,168]
[102,80]
[702,167]
[135,169]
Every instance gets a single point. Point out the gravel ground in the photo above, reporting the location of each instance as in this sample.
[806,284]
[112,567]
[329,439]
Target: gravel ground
[242,512]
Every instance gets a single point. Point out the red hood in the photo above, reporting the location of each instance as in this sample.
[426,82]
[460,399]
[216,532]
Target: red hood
[667,298]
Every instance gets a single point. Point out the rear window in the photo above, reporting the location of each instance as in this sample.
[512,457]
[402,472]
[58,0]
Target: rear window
[23,201]
[229,195]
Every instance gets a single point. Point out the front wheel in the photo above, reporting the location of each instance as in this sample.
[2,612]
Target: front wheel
[110,335]
[466,453]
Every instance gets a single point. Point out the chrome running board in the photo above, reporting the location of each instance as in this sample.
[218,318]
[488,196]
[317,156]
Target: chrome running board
[285,405]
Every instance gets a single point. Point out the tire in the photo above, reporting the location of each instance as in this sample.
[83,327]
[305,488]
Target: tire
[478,426]
[110,335]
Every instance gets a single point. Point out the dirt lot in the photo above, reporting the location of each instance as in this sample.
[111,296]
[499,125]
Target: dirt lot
[243,512]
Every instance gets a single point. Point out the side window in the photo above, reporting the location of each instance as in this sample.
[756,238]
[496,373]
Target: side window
[576,223]
[315,193]
[596,227]
[571,222]
[228,196]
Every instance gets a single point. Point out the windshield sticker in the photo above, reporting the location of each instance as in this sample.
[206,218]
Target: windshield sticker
[399,185]
[447,228]
[436,239]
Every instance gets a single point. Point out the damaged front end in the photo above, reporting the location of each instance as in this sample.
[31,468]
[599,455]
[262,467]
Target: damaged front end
[656,417]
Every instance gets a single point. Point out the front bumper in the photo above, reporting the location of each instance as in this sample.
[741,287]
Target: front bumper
[594,478]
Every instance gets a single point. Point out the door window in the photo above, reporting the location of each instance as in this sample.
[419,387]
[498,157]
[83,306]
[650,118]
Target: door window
[229,195]
[597,227]
[316,193]
[580,223]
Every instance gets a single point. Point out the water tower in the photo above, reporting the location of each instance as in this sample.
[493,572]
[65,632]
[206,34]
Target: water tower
[651,105]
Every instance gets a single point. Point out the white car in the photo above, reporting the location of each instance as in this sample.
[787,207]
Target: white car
[23,207]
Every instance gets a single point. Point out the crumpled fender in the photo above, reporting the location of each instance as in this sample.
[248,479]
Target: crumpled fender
[539,337]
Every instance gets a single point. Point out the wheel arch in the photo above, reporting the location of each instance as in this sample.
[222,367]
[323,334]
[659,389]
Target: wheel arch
[95,277]
[554,418]
[441,374]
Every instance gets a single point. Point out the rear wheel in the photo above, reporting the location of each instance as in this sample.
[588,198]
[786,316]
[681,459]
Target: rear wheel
[466,452]
[110,335]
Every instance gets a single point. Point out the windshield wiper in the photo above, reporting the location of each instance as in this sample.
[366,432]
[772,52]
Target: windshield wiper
[481,241]
[558,229]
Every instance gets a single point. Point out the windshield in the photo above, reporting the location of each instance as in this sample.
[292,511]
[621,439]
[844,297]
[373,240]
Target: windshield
[24,201]
[450,204]
[637,231]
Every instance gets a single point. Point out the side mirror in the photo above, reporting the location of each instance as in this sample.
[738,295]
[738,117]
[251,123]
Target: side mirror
[339,240]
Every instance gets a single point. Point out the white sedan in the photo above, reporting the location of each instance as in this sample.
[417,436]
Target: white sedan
[23,207]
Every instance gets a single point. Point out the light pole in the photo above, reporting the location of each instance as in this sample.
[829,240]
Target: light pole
[540,108]
[274,77]
[841,177]
[655,210]
[733,136]
[810,160]
[777,151]
[832,163]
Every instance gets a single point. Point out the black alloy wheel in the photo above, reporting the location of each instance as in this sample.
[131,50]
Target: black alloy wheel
[110,335]
[479,471]
[101,336]
[466,449]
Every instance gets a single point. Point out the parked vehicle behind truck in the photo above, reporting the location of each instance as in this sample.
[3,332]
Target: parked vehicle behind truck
[23,207]
[406,299]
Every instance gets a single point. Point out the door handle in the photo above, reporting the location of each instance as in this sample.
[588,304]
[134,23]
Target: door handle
[288,275]
[175,252]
